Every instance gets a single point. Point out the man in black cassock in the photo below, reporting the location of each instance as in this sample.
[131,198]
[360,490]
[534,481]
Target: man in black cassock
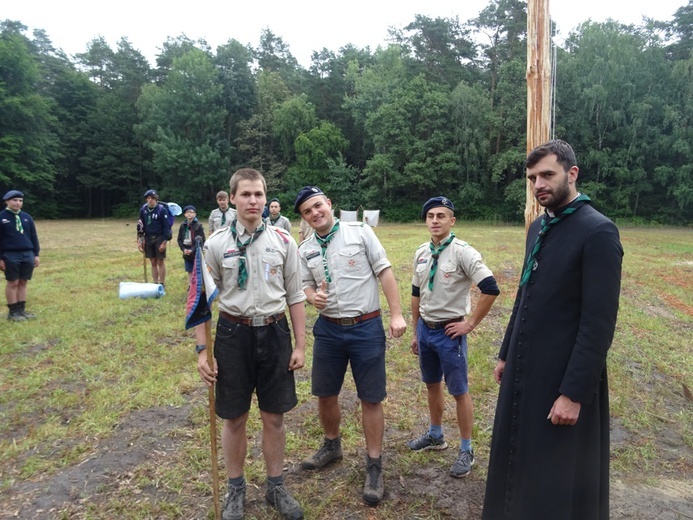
[550,446]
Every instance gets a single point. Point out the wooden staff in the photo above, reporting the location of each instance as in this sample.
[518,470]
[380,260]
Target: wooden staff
[212,423]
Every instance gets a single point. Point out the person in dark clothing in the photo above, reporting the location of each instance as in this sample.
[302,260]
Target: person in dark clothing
[153,231]
[189,230]
[19,253]
[550,445]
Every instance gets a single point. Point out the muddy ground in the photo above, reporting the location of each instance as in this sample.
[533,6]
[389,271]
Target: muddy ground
[149,439]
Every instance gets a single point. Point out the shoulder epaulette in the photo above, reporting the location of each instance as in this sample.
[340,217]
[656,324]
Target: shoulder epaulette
[281,233]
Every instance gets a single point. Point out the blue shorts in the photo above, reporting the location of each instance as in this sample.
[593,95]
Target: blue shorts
[441,355]
[189,263]
[253,359]
[362,345]
[19,265]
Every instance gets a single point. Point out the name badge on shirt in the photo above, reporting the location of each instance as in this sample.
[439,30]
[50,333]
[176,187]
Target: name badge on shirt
[231,253]
[422,261]
[312,254]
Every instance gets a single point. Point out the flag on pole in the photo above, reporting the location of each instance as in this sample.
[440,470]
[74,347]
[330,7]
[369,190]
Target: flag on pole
[202,292]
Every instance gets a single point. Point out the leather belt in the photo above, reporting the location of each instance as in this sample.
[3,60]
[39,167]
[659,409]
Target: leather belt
[441,324]
[256,321]
[352,321]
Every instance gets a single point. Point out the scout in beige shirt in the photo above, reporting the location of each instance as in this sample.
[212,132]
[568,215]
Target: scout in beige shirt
[222,216]
[341,265]
[275,217]
[256,270]
[444,270]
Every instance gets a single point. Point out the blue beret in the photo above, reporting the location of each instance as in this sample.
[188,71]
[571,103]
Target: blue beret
[151,193]
[274,200]
[13,194]
[190,206]
[305,194]
[437,202]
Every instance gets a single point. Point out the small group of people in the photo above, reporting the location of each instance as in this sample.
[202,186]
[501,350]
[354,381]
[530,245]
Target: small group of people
[154,229]
[549,453]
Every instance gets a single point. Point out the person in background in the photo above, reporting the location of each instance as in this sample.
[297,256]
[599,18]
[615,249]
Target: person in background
[154,230]
[445,268]
[19,253]
[276,218]
[341,265]
[257,271]
[222,216]
[550,444]
[189,230]
[304,231]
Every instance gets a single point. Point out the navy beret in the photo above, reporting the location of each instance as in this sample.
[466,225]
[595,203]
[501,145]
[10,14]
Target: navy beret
[437,202]
[274,200]
[151,193]
[13,194]
[305,194]
[190,206]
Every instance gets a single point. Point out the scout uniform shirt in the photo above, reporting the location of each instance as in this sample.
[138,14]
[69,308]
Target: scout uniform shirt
[282,222]
[215,219]
[274,274]
[354,259]
[458,266]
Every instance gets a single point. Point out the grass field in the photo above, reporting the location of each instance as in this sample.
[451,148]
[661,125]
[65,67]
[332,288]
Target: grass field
[103,415]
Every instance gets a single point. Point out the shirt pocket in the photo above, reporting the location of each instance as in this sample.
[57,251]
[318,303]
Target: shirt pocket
[317,267]
[448,273]
[230,266]
[351,259]
[272,269]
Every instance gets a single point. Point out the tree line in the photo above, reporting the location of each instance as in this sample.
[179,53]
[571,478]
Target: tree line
[440,109]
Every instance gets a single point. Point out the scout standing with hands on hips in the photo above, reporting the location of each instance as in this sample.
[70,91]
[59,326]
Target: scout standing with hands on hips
[444,270]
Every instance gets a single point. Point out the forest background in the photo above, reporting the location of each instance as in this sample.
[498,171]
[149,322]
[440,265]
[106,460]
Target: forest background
[441,109]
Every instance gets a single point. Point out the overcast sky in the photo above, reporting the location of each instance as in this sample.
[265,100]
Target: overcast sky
[305,25]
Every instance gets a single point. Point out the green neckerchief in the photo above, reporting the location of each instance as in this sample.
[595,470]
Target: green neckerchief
[188,230]
[223,217]
[242,269]
[546,225]
[273,221]
[17,221]
[324,242]
[435,254]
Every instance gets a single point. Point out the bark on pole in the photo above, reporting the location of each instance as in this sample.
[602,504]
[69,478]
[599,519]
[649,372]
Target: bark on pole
[538,88]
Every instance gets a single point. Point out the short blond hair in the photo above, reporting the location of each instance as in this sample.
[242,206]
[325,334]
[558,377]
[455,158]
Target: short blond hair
[246,174]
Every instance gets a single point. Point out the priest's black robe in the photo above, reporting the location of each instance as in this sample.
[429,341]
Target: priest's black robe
[556,342]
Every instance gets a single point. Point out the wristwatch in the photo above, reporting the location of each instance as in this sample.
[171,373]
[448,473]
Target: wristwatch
[200,348]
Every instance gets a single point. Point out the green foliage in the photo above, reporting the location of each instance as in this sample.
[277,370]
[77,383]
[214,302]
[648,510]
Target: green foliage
[440,109]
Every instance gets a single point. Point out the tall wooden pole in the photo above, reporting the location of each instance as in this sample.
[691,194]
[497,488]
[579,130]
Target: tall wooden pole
[538,88]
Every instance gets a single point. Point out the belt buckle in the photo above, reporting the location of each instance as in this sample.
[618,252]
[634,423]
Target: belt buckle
[347,321]
[259,321]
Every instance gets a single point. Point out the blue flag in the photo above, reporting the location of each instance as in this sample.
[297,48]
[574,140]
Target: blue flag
[202,292]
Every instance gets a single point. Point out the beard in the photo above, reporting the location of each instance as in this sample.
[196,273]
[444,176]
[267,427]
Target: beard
[556,197]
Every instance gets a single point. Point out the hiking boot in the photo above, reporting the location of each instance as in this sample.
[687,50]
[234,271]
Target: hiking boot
[426,442]
[15,316]
[330,450]
[373,488]
[22,311]
[463,464]
[233,504]
[280,499]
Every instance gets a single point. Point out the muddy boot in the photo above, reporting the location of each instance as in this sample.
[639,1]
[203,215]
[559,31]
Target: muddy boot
[22,311]
[15,314]
[330,450]
[374,488]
